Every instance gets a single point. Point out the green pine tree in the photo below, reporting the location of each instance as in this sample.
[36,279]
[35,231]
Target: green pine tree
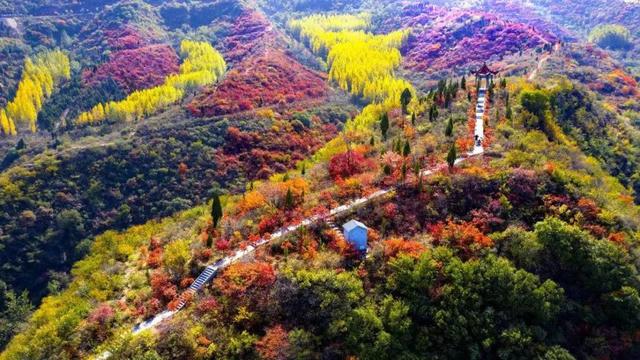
[384,125]
[386,169]
[406,150]
[448,131]
[452,155]
[288,200]
[209,240]
[216,210]
[405,99]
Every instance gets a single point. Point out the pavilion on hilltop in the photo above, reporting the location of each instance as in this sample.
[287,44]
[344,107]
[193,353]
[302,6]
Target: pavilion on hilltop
[484,73]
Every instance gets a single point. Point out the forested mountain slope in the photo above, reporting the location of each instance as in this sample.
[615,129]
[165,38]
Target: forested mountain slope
[61,189]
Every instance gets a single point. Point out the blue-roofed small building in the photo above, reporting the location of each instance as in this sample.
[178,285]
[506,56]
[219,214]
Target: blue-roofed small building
[356,234]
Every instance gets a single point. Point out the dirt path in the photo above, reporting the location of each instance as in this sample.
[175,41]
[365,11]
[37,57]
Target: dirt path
[543,60]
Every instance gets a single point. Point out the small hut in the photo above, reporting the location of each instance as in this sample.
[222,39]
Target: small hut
[356,233]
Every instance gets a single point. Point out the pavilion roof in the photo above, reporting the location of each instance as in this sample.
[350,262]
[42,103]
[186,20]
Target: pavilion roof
[484,70]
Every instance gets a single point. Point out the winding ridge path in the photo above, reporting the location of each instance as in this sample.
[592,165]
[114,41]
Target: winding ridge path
[212,270]
[543,60]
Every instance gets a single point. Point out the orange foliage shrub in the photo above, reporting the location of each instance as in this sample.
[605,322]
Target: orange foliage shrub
[464,237]
[618,238]
[395,246]
[154,259]
[203,341]
[349,188]
[338,243]
[627,82]
[173,304]
[589,209]
[409,132]
[205,254]
[274,345]
[274,193]
[307,246]
[186,282]
[464,144]
[252,200]
[238,278]
[160,283]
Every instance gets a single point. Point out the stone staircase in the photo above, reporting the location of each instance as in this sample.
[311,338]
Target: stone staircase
[332,225]
[204,277]
[478,147]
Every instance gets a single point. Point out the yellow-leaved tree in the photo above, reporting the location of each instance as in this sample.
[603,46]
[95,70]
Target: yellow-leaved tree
[202,65]
[359,62]
[39,77]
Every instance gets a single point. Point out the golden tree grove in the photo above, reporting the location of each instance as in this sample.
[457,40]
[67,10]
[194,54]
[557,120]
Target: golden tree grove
[39,77]
[359,62]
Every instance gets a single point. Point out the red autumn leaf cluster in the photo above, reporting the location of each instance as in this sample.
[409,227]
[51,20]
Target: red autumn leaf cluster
[259,155]
[125,37]
[347,164]
[154,259]
[271,78]
[134,69]
[162,287]
[207,305]
[589,209]
[262,73]
[274,345]
[102,314]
